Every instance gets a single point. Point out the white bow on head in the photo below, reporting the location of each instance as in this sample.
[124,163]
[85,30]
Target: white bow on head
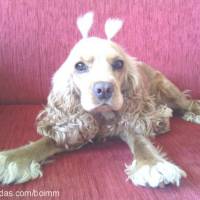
[111,28]
[84,23]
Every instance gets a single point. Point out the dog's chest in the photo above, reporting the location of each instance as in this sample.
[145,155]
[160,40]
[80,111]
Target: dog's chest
[107,123]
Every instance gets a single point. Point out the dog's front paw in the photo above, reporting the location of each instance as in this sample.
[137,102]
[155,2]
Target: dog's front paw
[158,175]
[16,168]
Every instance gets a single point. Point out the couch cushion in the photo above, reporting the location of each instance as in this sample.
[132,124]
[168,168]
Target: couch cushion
[97,171]
[36,37]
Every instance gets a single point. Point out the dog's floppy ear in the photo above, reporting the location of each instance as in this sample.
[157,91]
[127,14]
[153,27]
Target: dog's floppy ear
[133,80]
[84,23]
[63,95]
[63,102]
[112,26]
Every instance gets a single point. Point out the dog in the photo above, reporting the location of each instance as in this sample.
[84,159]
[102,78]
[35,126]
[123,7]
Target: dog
[100,91]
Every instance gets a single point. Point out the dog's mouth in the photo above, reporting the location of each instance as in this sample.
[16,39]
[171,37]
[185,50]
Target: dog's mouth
[93,105]
[107,105]
[103,107]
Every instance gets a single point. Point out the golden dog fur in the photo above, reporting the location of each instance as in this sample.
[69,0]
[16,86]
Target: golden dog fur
[142,103]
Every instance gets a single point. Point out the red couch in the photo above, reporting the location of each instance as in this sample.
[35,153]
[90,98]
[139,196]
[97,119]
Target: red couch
[36,37]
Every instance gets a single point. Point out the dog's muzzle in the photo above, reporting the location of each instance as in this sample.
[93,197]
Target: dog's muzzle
[103,90]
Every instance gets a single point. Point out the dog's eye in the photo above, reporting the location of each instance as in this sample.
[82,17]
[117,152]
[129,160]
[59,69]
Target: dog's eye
[81,67]
[117,64]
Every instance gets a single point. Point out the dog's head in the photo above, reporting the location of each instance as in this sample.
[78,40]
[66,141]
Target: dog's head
[98,70]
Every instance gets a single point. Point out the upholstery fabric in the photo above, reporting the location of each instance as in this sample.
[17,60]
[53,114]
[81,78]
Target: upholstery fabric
[36,37]
[97,171]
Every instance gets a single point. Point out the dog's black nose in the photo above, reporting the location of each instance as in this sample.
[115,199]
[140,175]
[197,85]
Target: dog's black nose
[103,90]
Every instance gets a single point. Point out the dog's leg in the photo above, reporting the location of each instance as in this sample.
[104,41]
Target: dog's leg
[150,167]
[22,164]
[161,121]
[168,93]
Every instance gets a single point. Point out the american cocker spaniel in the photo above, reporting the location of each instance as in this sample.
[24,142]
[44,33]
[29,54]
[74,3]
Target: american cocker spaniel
[100,91]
